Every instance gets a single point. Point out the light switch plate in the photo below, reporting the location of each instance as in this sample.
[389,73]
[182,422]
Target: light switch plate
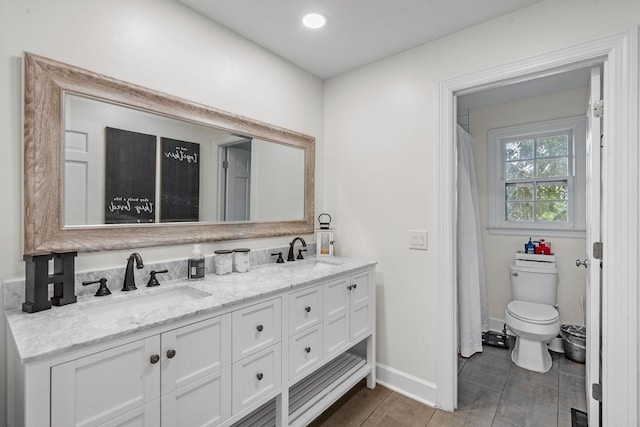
[418,239]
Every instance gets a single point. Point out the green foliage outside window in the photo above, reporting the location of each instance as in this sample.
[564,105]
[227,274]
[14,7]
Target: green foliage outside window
[536,174]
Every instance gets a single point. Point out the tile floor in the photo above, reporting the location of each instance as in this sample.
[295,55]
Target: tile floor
[492,391]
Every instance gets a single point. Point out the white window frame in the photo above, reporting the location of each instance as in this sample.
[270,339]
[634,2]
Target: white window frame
[576,182]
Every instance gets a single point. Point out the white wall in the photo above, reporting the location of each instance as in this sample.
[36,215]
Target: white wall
[499,249]
[277,181]
[381,124]
[159,44]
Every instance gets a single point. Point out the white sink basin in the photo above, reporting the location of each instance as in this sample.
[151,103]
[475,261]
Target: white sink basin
[143,303]
[311,265]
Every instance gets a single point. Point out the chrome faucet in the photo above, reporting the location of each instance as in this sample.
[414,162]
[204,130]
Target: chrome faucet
[290,257]
[129,279]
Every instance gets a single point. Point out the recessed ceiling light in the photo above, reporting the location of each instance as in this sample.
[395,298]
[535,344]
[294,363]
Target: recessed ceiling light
[314,21]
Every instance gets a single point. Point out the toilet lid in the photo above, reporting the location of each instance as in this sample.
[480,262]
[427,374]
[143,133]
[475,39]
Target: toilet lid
[532,312]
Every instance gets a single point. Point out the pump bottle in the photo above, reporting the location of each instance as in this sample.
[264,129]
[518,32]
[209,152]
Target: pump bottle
[196,264]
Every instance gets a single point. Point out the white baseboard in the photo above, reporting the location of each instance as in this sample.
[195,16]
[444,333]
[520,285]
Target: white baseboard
[408,385]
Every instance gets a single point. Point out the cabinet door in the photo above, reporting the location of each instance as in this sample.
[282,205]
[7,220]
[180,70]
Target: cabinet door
[305,309]
[194,351]
[255,328]
[360,295]
[145,416]
[104,386]
[203,402]
[336,316]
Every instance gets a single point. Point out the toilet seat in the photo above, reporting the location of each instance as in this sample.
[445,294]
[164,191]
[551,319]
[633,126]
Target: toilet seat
[531,312]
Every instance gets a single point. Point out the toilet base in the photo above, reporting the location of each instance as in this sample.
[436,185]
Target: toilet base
[531,355]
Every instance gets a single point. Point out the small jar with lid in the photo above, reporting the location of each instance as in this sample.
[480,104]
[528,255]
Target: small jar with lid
[241,260]
[223,261]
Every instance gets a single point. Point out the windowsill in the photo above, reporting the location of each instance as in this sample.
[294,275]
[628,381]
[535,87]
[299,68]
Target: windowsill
[546,232]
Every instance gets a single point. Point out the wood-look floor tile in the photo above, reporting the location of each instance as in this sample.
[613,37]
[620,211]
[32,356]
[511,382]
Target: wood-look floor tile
[355,410]
[399,410]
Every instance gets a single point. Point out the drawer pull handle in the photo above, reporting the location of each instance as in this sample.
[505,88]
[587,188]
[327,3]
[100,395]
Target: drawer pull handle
[171,354]
[307,309]
[307,349]
[260,328]
[259,376]
[154,359]
[349,287]
[355,285]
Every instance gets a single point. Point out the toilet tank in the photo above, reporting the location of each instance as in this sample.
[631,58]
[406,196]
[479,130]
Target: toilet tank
[534,284]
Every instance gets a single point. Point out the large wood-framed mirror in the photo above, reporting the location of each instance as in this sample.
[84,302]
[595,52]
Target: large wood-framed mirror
[112,165]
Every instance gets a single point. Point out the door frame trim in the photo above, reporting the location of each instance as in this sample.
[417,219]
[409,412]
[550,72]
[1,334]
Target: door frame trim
[619,52]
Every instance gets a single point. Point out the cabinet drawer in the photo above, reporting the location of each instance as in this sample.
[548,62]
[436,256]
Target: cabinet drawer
[255,377]
[305,308]
[305,351]
[255,328]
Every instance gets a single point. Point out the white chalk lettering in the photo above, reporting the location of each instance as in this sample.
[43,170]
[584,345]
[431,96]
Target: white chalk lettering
[181,155]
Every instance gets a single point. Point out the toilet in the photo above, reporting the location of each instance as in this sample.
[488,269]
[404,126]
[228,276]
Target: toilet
[532,315]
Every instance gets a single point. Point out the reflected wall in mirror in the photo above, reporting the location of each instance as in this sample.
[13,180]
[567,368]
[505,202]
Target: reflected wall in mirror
[111,165]
[123,165]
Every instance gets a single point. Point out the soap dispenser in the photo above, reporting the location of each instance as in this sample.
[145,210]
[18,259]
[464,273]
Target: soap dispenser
[196,264]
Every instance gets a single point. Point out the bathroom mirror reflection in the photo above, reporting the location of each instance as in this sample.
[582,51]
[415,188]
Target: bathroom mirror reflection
[126,166]
[97,149]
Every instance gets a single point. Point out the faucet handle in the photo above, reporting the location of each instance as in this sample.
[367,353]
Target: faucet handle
[300,253]
[102,290]
[279,260]
[152,278]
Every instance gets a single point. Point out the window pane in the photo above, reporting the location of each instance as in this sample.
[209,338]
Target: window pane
[555,191]
[519,192]
[552,211]
[519,211]
[552,146]
[519,170]
[518,150]
[550,168]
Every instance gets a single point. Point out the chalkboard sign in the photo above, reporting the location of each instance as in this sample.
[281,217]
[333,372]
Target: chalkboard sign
[180,181]
[130,181]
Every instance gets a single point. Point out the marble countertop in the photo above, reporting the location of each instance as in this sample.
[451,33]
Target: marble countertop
[95,320]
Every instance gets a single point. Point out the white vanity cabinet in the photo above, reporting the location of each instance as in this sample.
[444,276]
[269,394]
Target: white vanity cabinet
[181,377]
[274,358]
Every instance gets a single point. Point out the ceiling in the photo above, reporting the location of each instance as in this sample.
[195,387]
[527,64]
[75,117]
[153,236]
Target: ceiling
[358,32]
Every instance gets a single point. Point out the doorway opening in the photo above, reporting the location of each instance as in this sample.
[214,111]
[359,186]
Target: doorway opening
[619,54]
[235,194]
[522,150]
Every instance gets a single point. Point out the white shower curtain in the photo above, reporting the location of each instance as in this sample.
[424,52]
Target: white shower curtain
[473,316]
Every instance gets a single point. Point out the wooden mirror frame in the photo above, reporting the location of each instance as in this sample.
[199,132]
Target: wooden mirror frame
[46,82]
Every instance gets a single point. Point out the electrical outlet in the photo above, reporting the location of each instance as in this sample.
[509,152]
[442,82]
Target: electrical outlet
[418,239]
